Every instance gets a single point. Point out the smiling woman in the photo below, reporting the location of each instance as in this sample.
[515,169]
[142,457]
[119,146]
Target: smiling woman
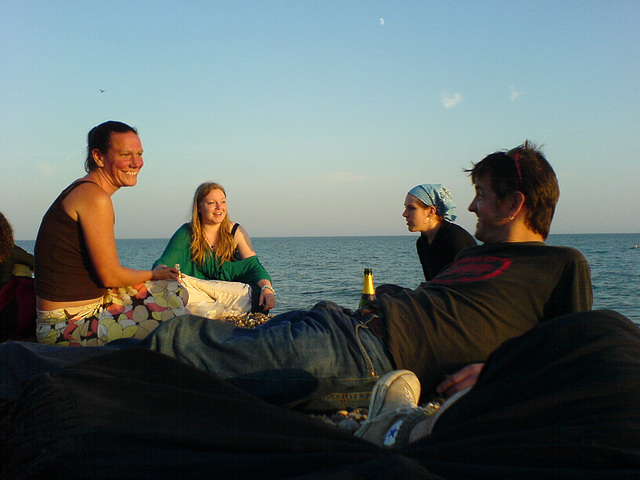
[84,295]
[218,252]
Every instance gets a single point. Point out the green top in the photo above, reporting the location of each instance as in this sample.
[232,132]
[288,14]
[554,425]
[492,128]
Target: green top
[248,270]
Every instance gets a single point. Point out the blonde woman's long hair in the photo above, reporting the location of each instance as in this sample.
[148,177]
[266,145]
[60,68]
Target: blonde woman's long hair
[200,248]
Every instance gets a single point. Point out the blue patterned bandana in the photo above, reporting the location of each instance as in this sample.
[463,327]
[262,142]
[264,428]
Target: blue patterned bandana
[435,195]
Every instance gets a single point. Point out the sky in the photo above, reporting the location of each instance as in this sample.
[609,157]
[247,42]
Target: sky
[319,116]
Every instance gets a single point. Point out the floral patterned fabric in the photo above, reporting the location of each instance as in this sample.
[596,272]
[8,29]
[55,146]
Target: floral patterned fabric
[123,312]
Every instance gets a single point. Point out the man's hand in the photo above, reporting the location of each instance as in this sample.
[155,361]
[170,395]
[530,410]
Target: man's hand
[467,377]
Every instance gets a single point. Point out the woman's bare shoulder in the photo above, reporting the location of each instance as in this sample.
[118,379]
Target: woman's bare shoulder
[87,195]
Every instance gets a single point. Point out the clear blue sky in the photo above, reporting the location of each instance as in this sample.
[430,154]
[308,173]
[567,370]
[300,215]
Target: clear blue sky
[318,116]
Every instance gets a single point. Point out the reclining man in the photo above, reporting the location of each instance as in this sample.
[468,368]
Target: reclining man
[329,357]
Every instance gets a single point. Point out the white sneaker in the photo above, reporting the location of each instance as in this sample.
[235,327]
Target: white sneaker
[394,396]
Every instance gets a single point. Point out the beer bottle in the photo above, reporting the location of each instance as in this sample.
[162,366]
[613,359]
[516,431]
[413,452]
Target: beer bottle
[368,292]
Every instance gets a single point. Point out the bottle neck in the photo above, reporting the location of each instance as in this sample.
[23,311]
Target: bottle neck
[367,288]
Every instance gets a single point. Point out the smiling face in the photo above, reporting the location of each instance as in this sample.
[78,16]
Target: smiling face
[212,209]
[122,162]
[493,220]
[419,217]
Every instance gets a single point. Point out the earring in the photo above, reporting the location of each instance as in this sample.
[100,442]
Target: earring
[511,218]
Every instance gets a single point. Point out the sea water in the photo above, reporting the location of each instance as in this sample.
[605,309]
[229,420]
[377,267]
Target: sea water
[305,270]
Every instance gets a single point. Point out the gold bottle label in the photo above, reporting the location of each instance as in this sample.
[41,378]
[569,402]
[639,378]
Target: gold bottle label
[368,290]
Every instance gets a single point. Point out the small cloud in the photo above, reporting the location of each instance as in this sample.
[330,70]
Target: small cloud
[450,101]
[515,94]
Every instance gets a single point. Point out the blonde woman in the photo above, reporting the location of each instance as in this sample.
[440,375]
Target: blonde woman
[211,247]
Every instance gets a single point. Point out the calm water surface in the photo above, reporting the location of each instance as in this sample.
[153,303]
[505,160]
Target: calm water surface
[308,269]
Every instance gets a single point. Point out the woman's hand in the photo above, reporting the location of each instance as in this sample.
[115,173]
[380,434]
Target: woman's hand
[162,272]
[267,299]
[267,295]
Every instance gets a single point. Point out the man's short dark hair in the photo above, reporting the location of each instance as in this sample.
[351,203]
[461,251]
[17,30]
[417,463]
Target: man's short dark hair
[100,137]
[523,169]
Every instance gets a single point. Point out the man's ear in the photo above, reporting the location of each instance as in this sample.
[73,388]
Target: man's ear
[517,204]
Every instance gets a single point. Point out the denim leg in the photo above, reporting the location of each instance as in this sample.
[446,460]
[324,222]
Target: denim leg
[21,361]
[320,359]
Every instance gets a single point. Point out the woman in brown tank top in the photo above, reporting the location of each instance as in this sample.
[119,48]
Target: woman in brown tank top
[84,295]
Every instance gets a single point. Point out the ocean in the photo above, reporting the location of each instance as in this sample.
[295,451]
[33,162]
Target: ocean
[306,270]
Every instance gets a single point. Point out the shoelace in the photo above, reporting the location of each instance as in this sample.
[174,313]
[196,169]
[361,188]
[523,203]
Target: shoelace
[408,394]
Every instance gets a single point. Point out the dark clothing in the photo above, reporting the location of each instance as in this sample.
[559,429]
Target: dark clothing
[17,298]
[18,310]
[449,240]
[63,269]
[488,295]
[17,256]
[561,402]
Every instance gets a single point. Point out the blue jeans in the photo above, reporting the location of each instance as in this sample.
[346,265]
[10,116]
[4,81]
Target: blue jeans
[321,359]
[21,361]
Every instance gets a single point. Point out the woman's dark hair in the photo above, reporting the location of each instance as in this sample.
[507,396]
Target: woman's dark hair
[523,169]
[100,137]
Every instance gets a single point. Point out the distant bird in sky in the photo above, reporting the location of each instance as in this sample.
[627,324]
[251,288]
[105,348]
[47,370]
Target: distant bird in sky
[101,90]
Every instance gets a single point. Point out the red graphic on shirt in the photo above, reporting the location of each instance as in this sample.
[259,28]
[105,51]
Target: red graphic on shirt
[473,269]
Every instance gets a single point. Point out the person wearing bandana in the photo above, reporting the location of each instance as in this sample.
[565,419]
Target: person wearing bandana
[430,210]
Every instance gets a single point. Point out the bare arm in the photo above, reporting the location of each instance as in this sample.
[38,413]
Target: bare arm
[243,243]
[92,208]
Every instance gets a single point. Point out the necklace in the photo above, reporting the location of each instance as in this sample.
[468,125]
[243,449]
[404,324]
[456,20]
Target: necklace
[211,241]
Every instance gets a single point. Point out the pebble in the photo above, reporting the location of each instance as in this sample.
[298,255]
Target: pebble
[346,420]
[248,320]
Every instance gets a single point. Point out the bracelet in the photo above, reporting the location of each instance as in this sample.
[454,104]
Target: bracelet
[268,287]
